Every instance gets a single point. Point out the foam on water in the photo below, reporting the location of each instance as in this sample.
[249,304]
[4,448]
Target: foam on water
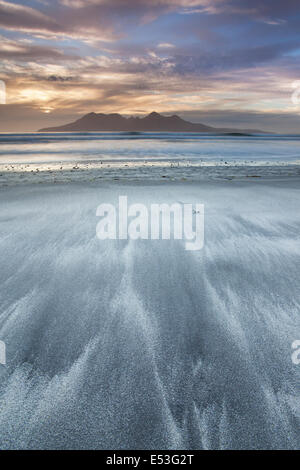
[141,344]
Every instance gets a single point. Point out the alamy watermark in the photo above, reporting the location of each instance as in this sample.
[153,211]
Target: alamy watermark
[136,221]
[296,93]
[2,353]
[296,353]
[2,92]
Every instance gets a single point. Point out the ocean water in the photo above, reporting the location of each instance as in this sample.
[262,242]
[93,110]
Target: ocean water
[139,146]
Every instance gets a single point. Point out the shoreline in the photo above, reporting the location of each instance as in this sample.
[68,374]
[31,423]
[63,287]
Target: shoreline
[77,172]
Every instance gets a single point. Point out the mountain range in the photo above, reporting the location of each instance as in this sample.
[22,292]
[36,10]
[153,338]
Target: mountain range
[153,122]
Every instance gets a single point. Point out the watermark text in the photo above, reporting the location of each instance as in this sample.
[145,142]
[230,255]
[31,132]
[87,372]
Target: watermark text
[296,353]
[2,353]
[162,221]
[2,92]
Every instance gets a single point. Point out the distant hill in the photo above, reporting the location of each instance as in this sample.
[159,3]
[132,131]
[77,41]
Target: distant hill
[153,122]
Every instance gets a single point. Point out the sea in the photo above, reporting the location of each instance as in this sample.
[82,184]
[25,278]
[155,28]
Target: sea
[155,146]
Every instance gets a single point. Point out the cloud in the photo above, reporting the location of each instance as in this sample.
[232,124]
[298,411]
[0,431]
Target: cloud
[22,18]
[165,45]
[57,78]
[57,23]
[133,56]
[20,51]
[106,20]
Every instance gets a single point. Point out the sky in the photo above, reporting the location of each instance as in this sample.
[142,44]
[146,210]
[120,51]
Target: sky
[225,63]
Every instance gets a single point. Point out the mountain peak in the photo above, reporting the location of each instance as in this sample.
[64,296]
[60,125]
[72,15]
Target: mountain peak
[154,114]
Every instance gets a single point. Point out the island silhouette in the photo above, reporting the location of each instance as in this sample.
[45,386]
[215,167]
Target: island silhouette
[153,122]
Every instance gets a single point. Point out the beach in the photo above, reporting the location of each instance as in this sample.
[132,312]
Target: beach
[134,344]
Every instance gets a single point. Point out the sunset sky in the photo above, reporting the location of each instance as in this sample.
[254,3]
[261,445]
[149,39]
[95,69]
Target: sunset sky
[220,62]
